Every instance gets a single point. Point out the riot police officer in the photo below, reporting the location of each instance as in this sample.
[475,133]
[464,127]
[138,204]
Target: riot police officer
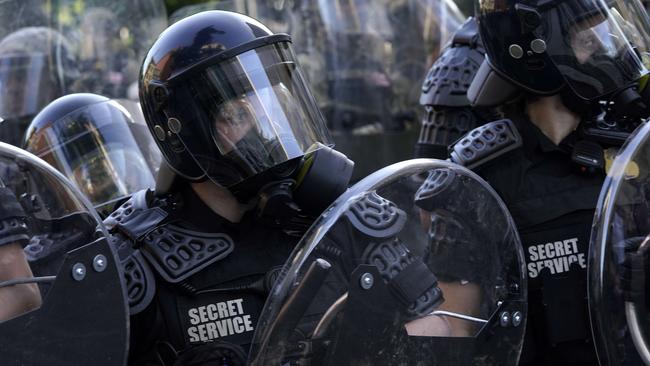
[97,144]
[564,57]
[246,168]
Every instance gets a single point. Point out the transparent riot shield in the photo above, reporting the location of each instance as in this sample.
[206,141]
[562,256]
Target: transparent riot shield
[364,60]
[50,48]
[619,259]
[95,46]
[417,264]
[61,295]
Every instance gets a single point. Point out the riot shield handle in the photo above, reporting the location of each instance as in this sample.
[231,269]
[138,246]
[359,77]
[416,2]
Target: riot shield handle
[295,307]
[640,343]
[632,314]
[27,280]
[459,316]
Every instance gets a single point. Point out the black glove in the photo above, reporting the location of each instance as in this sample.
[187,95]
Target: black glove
[13,228]
[636,265]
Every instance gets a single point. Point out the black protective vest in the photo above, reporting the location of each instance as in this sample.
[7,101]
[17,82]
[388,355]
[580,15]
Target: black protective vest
[552,204]
[196,283]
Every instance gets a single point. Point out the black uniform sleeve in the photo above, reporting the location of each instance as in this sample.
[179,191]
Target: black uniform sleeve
[13,228]
[464,227]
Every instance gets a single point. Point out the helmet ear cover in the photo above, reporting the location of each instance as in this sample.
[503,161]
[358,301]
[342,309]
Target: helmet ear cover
[529,17]
[489,88]
[160,95]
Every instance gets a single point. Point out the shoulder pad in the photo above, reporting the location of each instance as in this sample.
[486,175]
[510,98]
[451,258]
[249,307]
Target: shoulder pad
[485,143]
[449,78]
[136,217]
[375,217]
[369,219]
[138,278]
[439,189]
[370,231]
[177,253]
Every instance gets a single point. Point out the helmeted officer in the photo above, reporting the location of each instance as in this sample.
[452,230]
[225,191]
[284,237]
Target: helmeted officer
[247,168]
[97,144]
[564,57]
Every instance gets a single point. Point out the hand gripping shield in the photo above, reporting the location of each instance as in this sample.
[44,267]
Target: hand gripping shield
[419,263]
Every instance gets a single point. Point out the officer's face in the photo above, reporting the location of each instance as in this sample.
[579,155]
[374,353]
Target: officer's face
[232,123]
[593,37]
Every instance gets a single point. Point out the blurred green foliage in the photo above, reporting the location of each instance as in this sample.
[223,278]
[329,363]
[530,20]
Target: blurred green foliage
[466,6]
[173,5]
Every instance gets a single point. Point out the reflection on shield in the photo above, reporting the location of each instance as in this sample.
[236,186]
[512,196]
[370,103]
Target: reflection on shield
[419,263]
[62,296]
[619,258]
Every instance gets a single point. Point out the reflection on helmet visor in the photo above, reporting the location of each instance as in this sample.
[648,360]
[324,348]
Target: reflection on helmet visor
[259,112]
[96,149]
[589,40]
[587,44]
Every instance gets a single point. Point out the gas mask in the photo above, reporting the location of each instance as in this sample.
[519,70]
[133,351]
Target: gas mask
[305,187]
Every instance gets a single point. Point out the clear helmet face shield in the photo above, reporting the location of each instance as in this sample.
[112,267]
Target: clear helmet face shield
[418,261]
[102,150]
[364,61]
[66,279]
[619,271]
[598,46]
[256,111]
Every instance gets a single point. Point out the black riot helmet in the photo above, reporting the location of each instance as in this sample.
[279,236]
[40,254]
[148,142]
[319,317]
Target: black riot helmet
[96,143]
[540,45]
[225,99]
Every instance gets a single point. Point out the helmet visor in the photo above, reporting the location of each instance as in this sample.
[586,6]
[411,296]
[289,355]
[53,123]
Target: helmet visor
[26,85]
[593,46]
[257,111]
[101,150]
